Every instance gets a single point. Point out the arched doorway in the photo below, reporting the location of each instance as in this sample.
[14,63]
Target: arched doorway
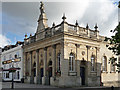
[41,75]
[41,71]
[34,69]
[82,72]
[49,70]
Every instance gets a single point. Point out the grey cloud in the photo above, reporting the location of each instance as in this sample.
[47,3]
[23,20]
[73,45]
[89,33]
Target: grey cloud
[24,15]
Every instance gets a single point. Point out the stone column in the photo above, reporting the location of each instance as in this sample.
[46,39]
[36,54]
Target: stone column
[77,63]
[98,66]
[24,64]
[45,78]
[37,67]
[62,60]
[45,61]
[98,63]
[88,64]
[54,60]
[31,67]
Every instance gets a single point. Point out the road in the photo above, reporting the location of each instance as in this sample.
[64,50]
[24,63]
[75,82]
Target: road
[25,86]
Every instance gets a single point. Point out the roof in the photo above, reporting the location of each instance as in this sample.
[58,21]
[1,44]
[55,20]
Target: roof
[7,47]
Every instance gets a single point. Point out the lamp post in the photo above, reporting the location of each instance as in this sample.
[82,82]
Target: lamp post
[12,86]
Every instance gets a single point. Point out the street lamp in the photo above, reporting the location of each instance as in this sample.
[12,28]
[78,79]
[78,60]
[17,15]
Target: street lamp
[12,86]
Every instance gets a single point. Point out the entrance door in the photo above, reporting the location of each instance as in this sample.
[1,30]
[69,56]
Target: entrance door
[41,75]
[41,72]
[82,74]
[50,73]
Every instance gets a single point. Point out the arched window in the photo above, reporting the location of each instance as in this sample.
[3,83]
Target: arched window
[119,59]
[112,67]
[71,62]
[92,63]
[104,63]
[50,63]
[58,62]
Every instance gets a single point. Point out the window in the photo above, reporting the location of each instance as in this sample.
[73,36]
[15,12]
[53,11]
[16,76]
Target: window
[71,62]
[34,69]
[4,66]
[10,57]
[4,58]
[18,75]
[119,59]
[41,63]
[104,63]
[58,62]
[4,75]
[17,54]
[7,75]
[17,64]
[112,67]
[92,63]
[10,65]
[50,62]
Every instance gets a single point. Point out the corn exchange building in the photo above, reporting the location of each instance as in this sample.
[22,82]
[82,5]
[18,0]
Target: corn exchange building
[67,55]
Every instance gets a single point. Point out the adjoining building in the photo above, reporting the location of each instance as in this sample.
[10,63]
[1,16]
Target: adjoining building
[12,57]
[67,55]
[0,64]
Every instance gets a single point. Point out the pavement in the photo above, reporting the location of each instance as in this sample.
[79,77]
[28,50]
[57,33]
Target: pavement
[26,86]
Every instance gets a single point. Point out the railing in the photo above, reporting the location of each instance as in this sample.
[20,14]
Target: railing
[32,39]
[71,27]
[92,33]
[58,27]
[82,30]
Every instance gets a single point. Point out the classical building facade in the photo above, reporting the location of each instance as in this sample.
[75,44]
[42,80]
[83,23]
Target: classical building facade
[12,57]
[0,64]
[66,55]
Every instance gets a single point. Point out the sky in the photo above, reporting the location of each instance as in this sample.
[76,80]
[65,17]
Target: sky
[20,18]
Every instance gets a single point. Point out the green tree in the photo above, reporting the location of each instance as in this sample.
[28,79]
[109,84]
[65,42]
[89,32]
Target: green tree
[114,44]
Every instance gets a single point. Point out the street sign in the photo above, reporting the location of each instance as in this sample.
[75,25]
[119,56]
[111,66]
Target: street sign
[10,61]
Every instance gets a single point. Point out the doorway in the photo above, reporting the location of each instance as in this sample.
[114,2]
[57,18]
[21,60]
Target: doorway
[41,75]
[50,74]
[82,75]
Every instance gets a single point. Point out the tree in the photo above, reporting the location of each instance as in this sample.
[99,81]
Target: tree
[114,41]
[114,44]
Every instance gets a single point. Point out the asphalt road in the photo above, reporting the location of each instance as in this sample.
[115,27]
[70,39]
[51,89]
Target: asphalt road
[24,86]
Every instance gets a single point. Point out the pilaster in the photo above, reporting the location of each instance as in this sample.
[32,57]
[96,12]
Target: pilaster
[37,67]
[31,67]
[54,60]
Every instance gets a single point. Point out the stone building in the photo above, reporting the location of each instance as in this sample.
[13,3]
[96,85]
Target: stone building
[65,54]
[12,57]
[0,64]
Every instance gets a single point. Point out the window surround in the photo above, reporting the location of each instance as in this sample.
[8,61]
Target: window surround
[93,63]
[104,64]
[71,62]
[58,62]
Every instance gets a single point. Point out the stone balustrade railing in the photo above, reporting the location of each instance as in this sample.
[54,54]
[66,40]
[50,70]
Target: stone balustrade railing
[65,27]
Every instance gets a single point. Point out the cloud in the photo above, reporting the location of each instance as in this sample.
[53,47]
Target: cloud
[20,18]
[4,41]
[102,12]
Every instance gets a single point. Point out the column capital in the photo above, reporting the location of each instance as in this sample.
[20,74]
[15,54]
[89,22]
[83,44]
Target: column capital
[45,48]
[37,50]
[97,48]
[54,46]
[30,52]
[77,45]
[88,47]
[62,43]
